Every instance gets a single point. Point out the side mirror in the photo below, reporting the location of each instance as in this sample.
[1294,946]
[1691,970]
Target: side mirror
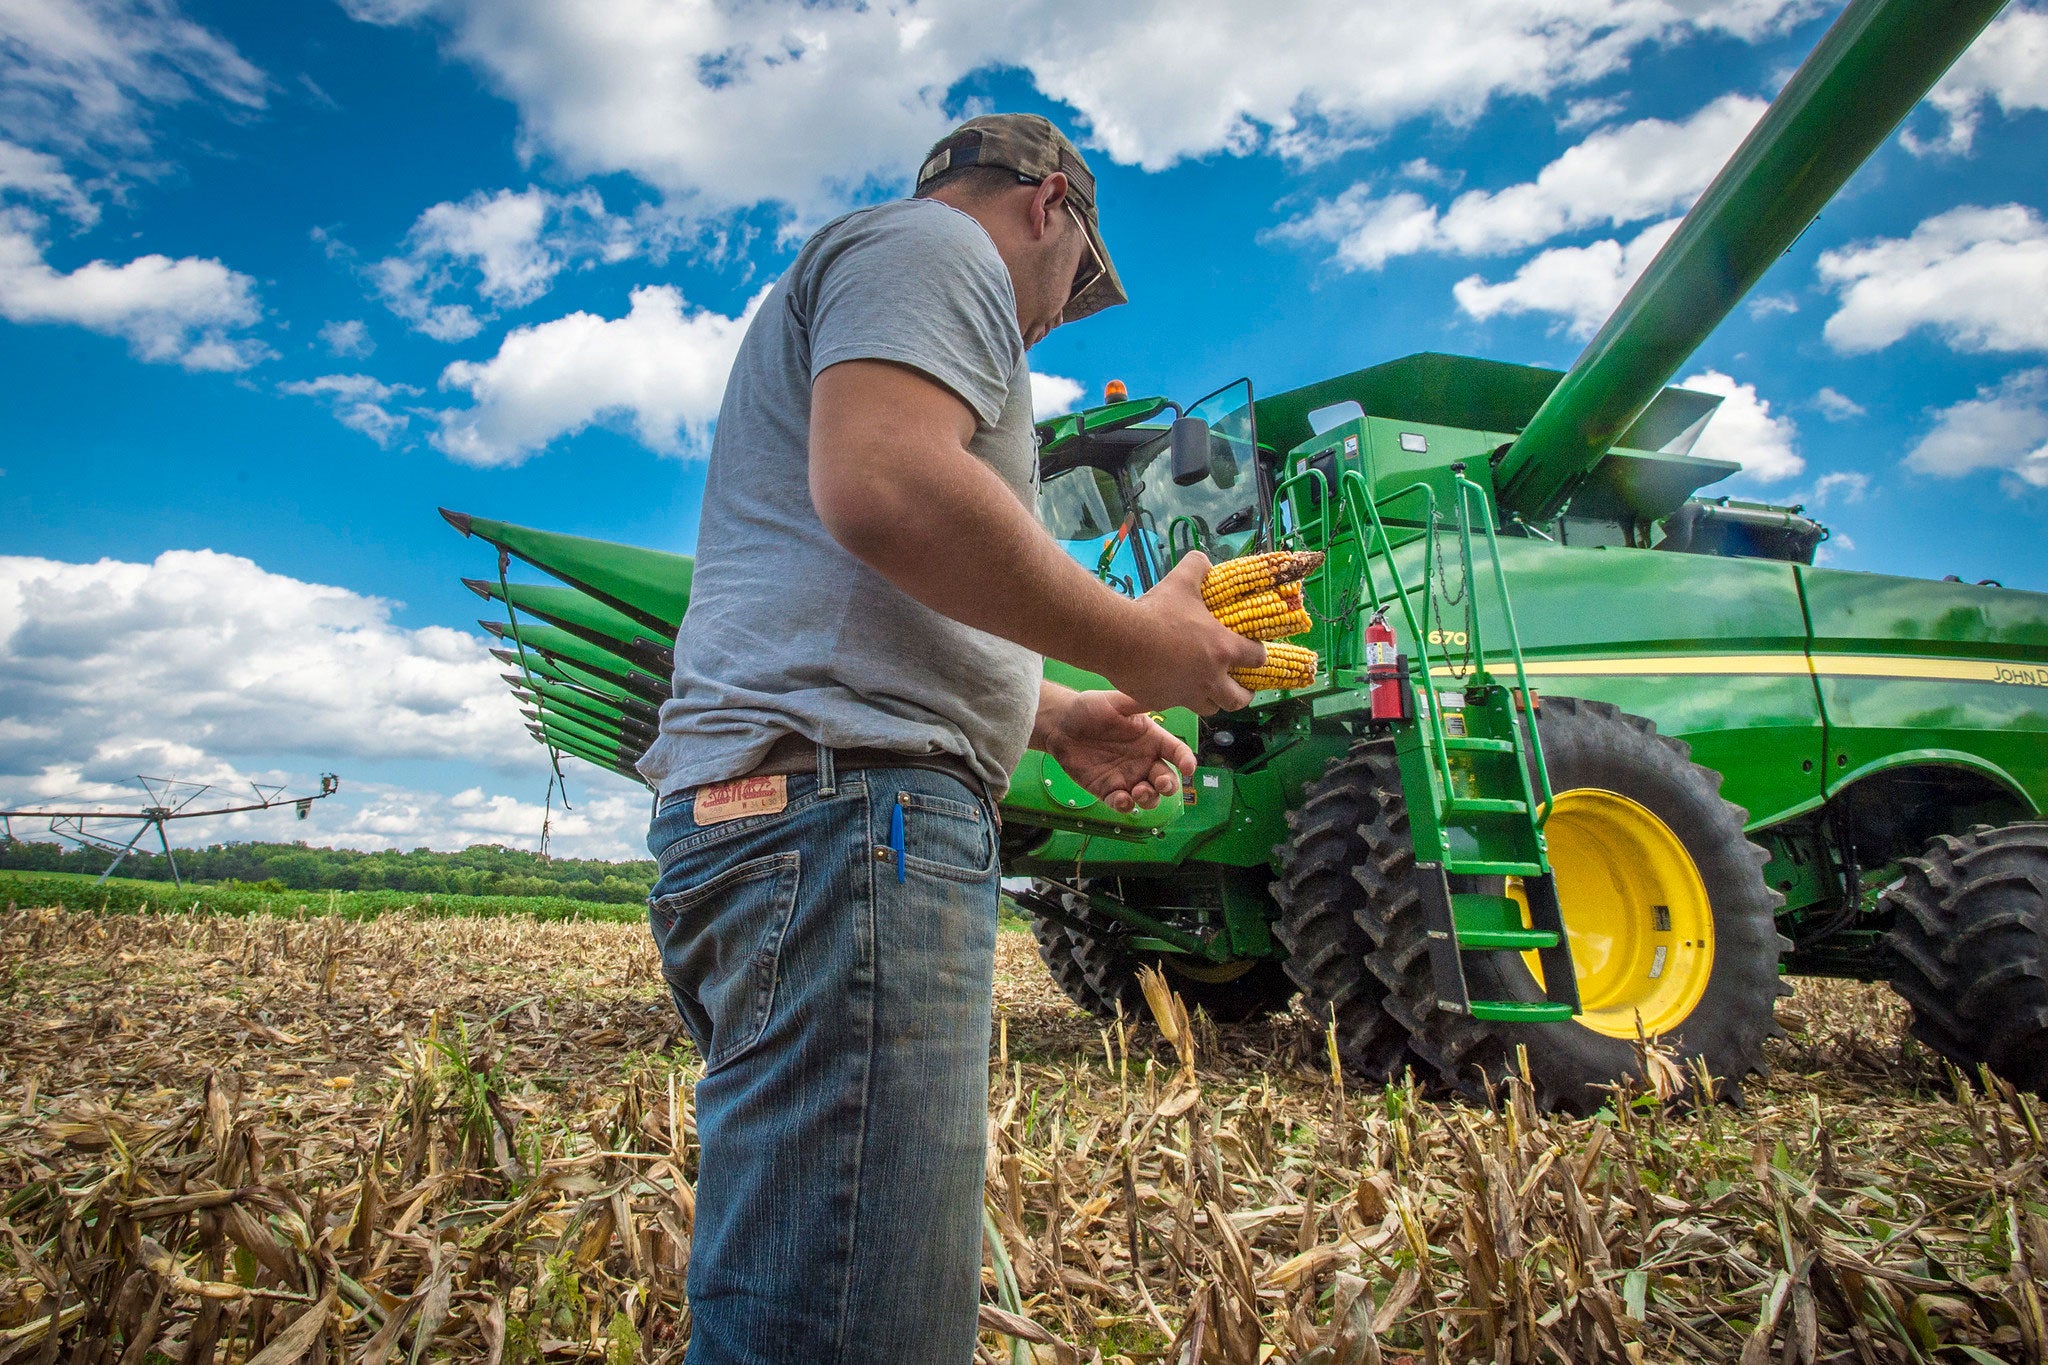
[1188,444]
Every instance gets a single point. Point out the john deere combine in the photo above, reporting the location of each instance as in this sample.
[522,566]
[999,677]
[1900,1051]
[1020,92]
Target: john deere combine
[1590,755]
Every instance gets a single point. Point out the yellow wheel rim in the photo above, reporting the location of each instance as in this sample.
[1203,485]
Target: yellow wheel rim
[1213,973]
[1635,913]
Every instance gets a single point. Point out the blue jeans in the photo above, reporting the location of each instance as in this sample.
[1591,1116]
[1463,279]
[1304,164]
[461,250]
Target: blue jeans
[843,1018]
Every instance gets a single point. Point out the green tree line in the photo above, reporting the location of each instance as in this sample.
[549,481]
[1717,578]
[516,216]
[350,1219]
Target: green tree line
[479,870]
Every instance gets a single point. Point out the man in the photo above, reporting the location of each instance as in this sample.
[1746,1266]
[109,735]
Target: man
[856,676]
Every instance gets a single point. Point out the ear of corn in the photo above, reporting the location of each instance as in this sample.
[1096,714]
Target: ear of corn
[1235,577]
[1265,615]
[1259,597]
[1286,666]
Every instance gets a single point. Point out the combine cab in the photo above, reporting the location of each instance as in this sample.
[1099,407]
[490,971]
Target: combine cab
[1595,755]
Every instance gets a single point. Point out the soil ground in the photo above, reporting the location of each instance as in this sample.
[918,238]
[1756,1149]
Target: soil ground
[428,1137]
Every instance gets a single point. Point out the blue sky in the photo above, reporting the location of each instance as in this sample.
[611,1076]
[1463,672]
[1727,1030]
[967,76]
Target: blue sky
[276,281]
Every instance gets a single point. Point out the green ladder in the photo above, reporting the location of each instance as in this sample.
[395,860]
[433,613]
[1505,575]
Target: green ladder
[1467,754]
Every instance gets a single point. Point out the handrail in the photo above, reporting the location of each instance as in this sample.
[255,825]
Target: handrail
[1361,510]
[1174,528]
[1418,630]
[1353,484]
[1467,489]
[1322,524]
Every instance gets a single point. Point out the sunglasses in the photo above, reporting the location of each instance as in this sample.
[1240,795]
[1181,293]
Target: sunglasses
[1091,269]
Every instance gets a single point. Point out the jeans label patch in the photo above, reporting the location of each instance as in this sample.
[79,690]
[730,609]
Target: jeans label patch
[724,801]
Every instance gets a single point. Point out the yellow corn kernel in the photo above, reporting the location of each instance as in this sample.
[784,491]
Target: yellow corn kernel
[1261,614]
[1274,625]
[1274,682]
[1297,657]
[1261,602]
[1286,666]
[1293,623]
[1251,573]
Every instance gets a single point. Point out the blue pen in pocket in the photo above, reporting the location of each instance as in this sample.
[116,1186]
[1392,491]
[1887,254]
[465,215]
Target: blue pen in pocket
[896,838]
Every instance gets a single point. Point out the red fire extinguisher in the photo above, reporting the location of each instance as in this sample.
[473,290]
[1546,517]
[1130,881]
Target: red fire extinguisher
[1383,670]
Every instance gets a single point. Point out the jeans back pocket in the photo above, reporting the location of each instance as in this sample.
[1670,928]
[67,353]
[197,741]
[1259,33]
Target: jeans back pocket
[721,945]
[946,837]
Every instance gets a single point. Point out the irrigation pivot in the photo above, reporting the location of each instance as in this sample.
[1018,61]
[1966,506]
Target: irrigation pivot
[169,799]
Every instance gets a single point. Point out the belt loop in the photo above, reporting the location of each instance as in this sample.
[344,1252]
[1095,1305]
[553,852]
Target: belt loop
[828,777]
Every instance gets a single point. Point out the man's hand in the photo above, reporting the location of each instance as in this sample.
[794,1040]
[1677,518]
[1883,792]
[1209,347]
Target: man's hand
[1111,746]
[1177,654]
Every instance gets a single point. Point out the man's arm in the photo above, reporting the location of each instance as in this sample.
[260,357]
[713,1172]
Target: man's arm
[895,484]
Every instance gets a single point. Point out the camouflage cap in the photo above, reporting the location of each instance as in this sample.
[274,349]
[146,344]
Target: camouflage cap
[1032,147]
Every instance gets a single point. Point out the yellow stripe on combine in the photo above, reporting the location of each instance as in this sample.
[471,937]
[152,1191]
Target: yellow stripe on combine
[1669,663]
[1954,670]
[1899,667]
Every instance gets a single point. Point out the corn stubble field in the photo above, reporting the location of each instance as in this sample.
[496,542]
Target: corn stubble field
[268,1140]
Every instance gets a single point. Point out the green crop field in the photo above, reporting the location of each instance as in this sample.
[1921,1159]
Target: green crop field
[121,895]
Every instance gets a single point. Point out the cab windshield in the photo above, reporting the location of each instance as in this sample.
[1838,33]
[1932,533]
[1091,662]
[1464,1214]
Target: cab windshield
[1086,511]
[1219,514]
[1120,514]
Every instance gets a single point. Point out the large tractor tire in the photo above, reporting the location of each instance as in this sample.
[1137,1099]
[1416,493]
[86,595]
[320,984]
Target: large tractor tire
[1320,910]
[1970,945]
[1103,976]
[1062,957]
[1668,915]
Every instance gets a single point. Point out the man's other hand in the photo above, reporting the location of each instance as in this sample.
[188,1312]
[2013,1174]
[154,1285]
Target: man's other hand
[1116,751]
[1177,654]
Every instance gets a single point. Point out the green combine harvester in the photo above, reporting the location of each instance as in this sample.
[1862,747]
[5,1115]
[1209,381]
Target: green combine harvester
[1593,756]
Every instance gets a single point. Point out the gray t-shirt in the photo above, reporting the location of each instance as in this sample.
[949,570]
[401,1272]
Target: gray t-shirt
[786,632]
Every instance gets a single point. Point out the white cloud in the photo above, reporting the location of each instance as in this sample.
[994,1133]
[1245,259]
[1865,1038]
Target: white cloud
[1742,429]
[185,311]
[812,105]
[205,658]
[386,11]
[81,76]
[1831,550]
[1842,485]
[1837,407]
[730,104]
[346,386]
[508,247]
[2004,427]
[1425,172]
[1368,229]
[497,236]
[1767,305]
[2006,66]
[347,338]
[607,820]
[358,402]
[38,175]
[1589,113]
[1053,394]
[1581,284]
[1221,83]
[1975,275]
[659,366]
[203,666]
[1617,176]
